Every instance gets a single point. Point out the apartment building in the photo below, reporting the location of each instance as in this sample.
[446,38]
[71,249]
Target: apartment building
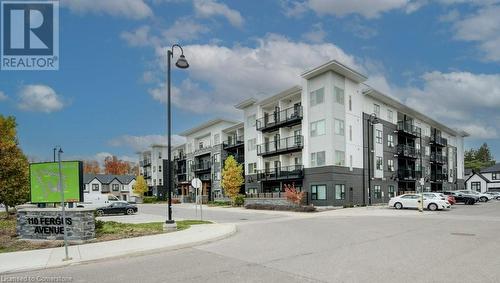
[345,143]
[151,166]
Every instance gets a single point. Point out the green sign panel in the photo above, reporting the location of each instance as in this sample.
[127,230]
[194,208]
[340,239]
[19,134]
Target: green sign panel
[45,179]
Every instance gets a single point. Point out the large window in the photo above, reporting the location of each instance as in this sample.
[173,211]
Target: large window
[494,176]
[380,163]
[390,191]
[95,187]
[339,192]
[378,136]
[318,192]
[318,128]
[377,192]
[252,167]
[475,186]
[376,109]
[318,158]
[339,95]
[317,96]
[339,127]
[339,158]
[390,140]
[390,165]
[115,187]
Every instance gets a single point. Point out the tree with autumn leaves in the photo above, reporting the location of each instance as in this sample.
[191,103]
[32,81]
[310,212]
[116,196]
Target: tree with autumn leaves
[232,177]
[91,167]
[14,166]
[140,187]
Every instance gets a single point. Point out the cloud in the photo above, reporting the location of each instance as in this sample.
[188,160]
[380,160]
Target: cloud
[39,98]
[132,9]
[367,8]
[451,16]
[137,37]
[294,9]
[140,143]
[316,35]
[360,30]
[3,96]
[184,29]
[210,8]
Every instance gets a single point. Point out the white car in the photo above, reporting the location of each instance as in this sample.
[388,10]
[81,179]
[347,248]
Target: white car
[413,201]
[484,197]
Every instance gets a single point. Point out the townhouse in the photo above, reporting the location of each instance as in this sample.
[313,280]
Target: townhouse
[488,179]
[343,142]
[120,186]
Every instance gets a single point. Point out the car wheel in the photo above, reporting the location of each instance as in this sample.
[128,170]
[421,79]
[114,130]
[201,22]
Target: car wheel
[130,211]
[470,202]
[432,206]
[99,212]
[398,205]
[483,199]
[498,198]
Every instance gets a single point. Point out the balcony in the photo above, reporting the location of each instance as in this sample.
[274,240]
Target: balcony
[145,162]
[180,171]
[438,158]
[233,143]
[408,151]
[409,174]
[286,145]
[240,158]
[202,166]
[288,117]
[439,141]
[439,177]
[281,173]
[180,157]
[408,128]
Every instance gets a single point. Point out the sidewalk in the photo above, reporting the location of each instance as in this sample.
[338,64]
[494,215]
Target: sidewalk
[45,258]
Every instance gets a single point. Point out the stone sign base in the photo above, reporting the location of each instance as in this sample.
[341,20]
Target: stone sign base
[47,224]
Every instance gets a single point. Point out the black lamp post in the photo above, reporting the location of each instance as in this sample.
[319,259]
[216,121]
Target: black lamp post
[372,120]
[181,63]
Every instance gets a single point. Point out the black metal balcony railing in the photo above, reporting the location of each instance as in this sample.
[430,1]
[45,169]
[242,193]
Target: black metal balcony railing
[202,166]
[145,162]
[408,151]
[240,158]
[281,173]
[288,117]
[438,158]
[409,174]
[439,141]
[439,177]
[234,142]
[180,157]
[180,171]
[182,178]
[409,128]
[281,146]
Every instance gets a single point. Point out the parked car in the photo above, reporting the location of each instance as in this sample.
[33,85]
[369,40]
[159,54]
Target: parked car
[462,198]
[482,196]
[117,208]
[450,199]
[495,195]
[431,202]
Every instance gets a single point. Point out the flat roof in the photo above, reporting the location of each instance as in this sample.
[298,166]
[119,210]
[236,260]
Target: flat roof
[205,125]
[337,67]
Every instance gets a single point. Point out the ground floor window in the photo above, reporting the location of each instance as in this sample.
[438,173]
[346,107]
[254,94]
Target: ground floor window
[391,191]
[318,192]
[377,193]
[339,192]
[475,186]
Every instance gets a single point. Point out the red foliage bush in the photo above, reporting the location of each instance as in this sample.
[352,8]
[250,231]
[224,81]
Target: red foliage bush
[293,195]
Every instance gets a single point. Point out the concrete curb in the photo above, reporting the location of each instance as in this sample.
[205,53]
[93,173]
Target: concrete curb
[92,252]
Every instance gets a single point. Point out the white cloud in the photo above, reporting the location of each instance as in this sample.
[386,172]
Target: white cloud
[39,98]
[451,16]
[316,35]
[3,96]
[133,9]
[294,9]
[139,143]
[138,37]
[366,8]
[210,8]
[184,29]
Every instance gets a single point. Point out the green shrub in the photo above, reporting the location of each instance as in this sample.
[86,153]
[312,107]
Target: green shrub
[149,199]
[219,203]
[308,208]
[99,224]
[239,200]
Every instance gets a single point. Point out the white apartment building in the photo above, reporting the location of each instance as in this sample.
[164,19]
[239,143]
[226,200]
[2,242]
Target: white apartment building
[151,166]
[318,136]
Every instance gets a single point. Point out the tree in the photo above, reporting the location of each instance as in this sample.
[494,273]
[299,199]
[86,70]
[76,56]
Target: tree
[478,159]
[14,166]
[232,177]
[293,195]
[91,167]
[140,187]
[112,165]
[483,154]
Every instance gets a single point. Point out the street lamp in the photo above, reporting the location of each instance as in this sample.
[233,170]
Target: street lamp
[372,120]
[61,189]
[181,63]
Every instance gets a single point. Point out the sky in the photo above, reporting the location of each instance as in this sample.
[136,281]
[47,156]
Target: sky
[441,57]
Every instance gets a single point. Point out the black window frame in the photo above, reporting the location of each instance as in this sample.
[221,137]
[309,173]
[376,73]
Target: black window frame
[473,186]
[377,194]
[379,136]
[494,176]
[342,191]
[95,186]
[314,195]
[391,193]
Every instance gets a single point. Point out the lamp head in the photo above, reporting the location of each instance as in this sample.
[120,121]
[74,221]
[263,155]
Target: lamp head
[182,63]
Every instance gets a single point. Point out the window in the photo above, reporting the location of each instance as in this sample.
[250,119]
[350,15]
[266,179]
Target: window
[318,192]
[154,182]
[376,109]
[339,192]
[475,186]
[216,139]
[377,193]
[389,115]
[159,168]
[200,145]
[350,133]
[317,96]
[427,150]
[380,163]
[339,127]
[378,136]
[159,182]
[339,158]
[390,140]
[391,191]
[390,165]
[252,144]
[251,120]
[350,103]
[159,155]
[318,128]
[115,187]
[339,95]
[318,158]
[251,168]
[494,176]
[95,187]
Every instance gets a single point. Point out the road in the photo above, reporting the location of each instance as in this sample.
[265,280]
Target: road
[349,245]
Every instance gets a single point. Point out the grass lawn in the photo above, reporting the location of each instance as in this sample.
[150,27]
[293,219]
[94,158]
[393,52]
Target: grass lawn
[105,231]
